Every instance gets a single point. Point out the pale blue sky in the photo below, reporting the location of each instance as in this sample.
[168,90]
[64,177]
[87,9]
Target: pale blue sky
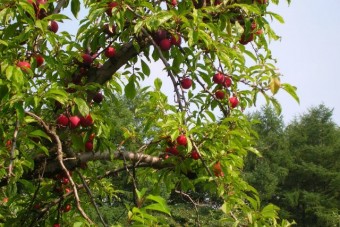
[308,55]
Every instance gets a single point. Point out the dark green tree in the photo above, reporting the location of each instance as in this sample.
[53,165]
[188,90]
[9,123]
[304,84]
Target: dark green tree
[299,169]
[266,172]
[311,189]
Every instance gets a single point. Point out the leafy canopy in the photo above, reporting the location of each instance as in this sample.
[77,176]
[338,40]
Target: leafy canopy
[56,90]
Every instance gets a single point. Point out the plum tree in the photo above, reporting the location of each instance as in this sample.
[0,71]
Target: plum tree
[193,39]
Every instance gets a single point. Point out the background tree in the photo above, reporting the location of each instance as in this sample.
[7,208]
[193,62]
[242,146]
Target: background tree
[266,173]
[299,170]
[60,146]
[311,187]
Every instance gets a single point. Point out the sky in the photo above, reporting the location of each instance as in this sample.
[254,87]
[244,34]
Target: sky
[307,55]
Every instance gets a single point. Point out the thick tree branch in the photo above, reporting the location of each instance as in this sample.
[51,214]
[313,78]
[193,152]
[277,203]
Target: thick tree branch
[151,161]
[52,167]
[126,53]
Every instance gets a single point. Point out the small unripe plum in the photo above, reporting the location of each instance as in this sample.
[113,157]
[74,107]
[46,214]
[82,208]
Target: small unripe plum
[40,60]
[62,120]
[86,121]
[24,66]
[233,101]
[165,44]
[172,150]
[67,208]
[218,169]
[227,81]
[74,121]
[110,6]
[98,98]
[89,145]
[176,40]
[246,38]
[9,144]
[159,35]
[41,14]
[220,94]
[218,78]
[53,26]
[195,155]
[182,140]
[65,180]
[110,52]
[186,83]
[174,2]
[87,59]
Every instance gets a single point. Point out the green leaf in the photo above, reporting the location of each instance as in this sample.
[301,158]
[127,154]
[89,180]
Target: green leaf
[269,211]
[57,17]
[254,150]
[158,84]
[158,207]
[291,90]
[77,142]
[145,68]
[75,7]
[130,88]
[276,104]
[40,133]
[9,72]
[3,42]
[28,8]
[27,163]
[160,204]
[57,94]
[82,106]
[139,26]
[277,17]
[211,115]
[78,224]
[3,91]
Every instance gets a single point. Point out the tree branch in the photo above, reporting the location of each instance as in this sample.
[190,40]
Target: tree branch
[14,144]
[88,191]
[54,135]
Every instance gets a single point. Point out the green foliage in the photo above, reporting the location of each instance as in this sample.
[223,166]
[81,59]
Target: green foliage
[66,107]
[298,170]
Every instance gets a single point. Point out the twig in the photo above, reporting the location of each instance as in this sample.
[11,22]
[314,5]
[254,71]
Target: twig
[91,197]
[161,56]
[14,142]
[52,133]
[193,202]
[134,182]
[224,110]
[202,160]
[58,7]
